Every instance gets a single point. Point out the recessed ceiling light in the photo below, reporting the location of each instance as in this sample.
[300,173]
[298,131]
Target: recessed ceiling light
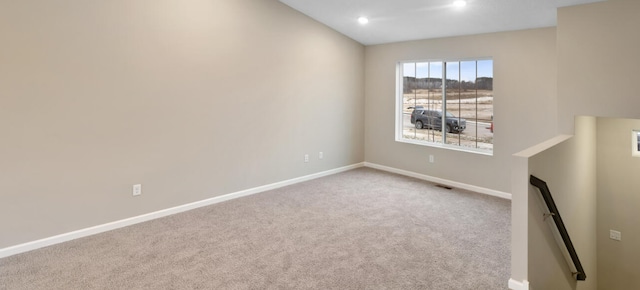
[460,3]
[363,20]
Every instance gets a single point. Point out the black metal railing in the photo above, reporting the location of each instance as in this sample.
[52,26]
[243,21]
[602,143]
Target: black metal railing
[577,269]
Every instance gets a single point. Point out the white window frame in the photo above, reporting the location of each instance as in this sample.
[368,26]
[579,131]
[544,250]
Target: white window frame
[634,143]
[400,107]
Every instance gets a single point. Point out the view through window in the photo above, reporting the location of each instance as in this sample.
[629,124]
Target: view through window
[465,95]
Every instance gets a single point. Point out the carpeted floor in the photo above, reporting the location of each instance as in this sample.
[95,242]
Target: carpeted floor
[361,229]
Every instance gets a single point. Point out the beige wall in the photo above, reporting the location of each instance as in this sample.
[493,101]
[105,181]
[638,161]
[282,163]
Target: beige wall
[520,189]
[201,98]
[598,61]
[597,65]
[524,103]
[592,200]
[193,99]
[569,169]
[618,204]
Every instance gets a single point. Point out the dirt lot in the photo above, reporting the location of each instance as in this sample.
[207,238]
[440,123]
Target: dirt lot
[455,139]
[463,104]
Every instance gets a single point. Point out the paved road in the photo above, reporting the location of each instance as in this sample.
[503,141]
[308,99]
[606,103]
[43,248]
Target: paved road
[483,128]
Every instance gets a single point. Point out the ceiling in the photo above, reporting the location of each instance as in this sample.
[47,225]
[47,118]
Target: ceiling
[402,20]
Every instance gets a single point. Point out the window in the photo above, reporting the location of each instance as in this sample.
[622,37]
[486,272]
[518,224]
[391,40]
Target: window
[635,143]
[465,96]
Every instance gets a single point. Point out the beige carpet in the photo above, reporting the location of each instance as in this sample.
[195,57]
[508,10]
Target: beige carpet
[361,229]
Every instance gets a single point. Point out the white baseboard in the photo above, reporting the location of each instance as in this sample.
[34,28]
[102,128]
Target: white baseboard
[440,180]
[29,246]
[517,285]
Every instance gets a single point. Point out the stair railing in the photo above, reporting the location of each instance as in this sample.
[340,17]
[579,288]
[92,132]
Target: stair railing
[574,262]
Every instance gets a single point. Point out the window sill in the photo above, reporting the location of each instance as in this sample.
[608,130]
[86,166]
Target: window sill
[447,146]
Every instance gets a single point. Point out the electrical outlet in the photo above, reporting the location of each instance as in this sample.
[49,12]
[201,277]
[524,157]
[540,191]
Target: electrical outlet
[615,235]
[320,155]
[137,189]
[431,159]
[306,158]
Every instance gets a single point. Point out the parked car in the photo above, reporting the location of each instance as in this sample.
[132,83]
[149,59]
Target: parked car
[432,119]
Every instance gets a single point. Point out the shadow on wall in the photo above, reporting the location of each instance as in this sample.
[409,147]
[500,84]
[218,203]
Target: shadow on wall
[592,176]
[618,203]
[567,164]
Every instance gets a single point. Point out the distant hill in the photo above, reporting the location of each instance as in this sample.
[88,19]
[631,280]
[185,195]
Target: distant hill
[412,83]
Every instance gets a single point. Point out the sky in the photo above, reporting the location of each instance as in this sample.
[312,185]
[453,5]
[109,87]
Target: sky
[466,70]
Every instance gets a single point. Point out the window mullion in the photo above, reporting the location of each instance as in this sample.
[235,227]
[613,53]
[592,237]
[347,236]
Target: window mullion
[459,101]
[444,103]
[475,84]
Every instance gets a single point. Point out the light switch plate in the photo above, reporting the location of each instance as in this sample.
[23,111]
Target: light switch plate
[615,235]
